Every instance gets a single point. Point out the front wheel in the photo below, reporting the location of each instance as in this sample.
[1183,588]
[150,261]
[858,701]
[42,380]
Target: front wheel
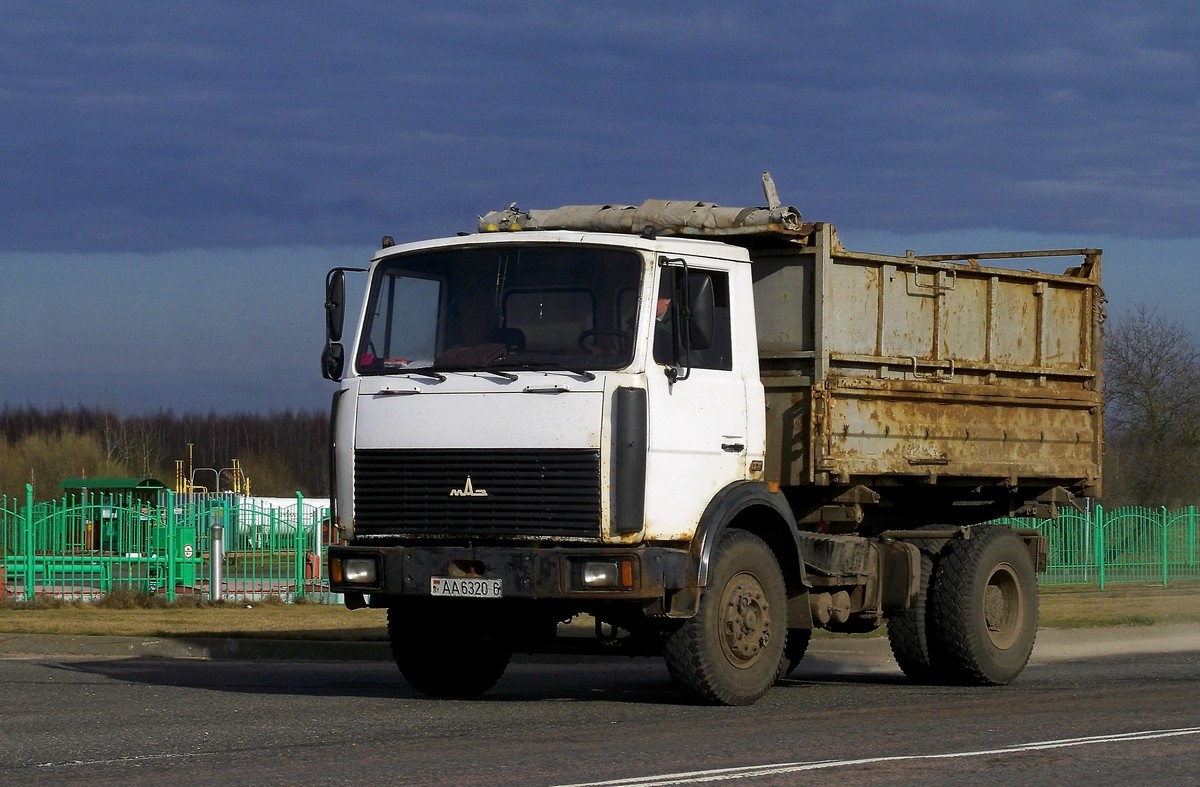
[984,608]
[730,652]
[446,651]
[793,651]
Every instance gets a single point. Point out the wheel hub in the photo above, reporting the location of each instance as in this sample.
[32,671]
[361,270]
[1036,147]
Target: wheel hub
[1002,606]
[745,620]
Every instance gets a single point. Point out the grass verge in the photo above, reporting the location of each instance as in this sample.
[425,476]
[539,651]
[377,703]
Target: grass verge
[126,614]
[1125,605]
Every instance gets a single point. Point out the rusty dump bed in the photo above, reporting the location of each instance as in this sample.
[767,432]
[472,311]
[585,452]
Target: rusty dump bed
[935,370]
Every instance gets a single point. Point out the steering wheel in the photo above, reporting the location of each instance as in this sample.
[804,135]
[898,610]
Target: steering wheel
[621,337]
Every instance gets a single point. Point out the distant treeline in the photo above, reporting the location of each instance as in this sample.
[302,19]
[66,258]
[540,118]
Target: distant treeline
[280,453]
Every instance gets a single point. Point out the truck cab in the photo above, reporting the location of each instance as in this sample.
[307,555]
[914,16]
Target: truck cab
[504,363]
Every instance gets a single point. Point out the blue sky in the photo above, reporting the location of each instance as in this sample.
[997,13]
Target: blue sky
[179,177]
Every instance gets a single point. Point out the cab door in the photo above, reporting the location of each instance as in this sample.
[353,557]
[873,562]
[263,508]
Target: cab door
[696,396]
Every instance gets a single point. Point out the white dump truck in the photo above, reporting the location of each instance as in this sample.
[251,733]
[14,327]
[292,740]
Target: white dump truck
[701,433]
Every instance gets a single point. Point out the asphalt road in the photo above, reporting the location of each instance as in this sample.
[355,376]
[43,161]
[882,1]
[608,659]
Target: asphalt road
[847,718]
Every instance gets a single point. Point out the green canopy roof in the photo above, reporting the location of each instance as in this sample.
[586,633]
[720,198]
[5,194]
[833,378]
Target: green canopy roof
[112,483]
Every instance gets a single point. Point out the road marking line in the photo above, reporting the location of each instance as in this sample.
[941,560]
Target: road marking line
[746,772]
[133,758]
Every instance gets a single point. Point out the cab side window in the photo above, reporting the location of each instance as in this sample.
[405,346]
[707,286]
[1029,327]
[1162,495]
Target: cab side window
[669,325]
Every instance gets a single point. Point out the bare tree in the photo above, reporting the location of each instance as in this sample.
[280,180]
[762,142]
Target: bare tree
[1152,390]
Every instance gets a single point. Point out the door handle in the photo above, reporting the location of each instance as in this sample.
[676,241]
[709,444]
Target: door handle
[733,448]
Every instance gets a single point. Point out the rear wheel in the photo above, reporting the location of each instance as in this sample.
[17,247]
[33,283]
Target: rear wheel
[908,631]
[730,652]
[446,651]
[984,608]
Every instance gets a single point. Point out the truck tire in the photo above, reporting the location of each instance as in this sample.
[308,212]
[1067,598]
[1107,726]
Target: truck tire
[793,651]
[984,608]
[444,654]
[908,631]
[730,652]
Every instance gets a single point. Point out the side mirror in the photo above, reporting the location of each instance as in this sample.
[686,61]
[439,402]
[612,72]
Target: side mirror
[335,304]
[333,361]
[333,358]
[702,309]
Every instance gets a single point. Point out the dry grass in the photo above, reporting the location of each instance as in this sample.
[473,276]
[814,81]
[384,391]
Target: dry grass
[1121,606]
[132,615]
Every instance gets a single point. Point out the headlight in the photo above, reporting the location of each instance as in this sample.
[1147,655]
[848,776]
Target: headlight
[612,574]
[602,575]
[353,570]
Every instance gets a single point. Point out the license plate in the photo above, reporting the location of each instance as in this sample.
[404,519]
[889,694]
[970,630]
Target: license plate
[458,587]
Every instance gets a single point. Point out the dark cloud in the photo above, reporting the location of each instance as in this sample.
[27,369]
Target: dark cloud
[225,124]
[178,177]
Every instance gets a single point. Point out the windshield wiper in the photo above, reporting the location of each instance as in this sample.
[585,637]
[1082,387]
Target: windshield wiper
[546,366]
[475,371]
[441,378]
[497,372]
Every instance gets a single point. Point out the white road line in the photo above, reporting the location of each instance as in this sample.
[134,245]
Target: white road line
[131,759]
[746,772]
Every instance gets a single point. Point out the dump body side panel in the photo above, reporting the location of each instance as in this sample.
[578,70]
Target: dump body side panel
[886,369]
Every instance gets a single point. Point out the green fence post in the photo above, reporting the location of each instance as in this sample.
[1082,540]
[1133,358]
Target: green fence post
[298,544]
[1191,535]
[1098,539]
[172,533]
[1163,531]
[28,546]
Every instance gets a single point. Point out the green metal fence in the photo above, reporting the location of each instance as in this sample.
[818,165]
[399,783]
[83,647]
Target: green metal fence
[85,547]
[1125,545]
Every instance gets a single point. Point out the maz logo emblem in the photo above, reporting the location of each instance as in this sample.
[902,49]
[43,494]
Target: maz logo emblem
[468,490]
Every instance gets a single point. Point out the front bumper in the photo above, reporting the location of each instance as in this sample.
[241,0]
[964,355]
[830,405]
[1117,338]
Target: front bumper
[527,573]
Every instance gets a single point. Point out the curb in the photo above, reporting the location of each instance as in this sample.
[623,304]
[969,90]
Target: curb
[1052,645]
[209,648]
[1073,644]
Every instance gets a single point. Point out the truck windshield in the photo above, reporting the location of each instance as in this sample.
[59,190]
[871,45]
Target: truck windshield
[502,307]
